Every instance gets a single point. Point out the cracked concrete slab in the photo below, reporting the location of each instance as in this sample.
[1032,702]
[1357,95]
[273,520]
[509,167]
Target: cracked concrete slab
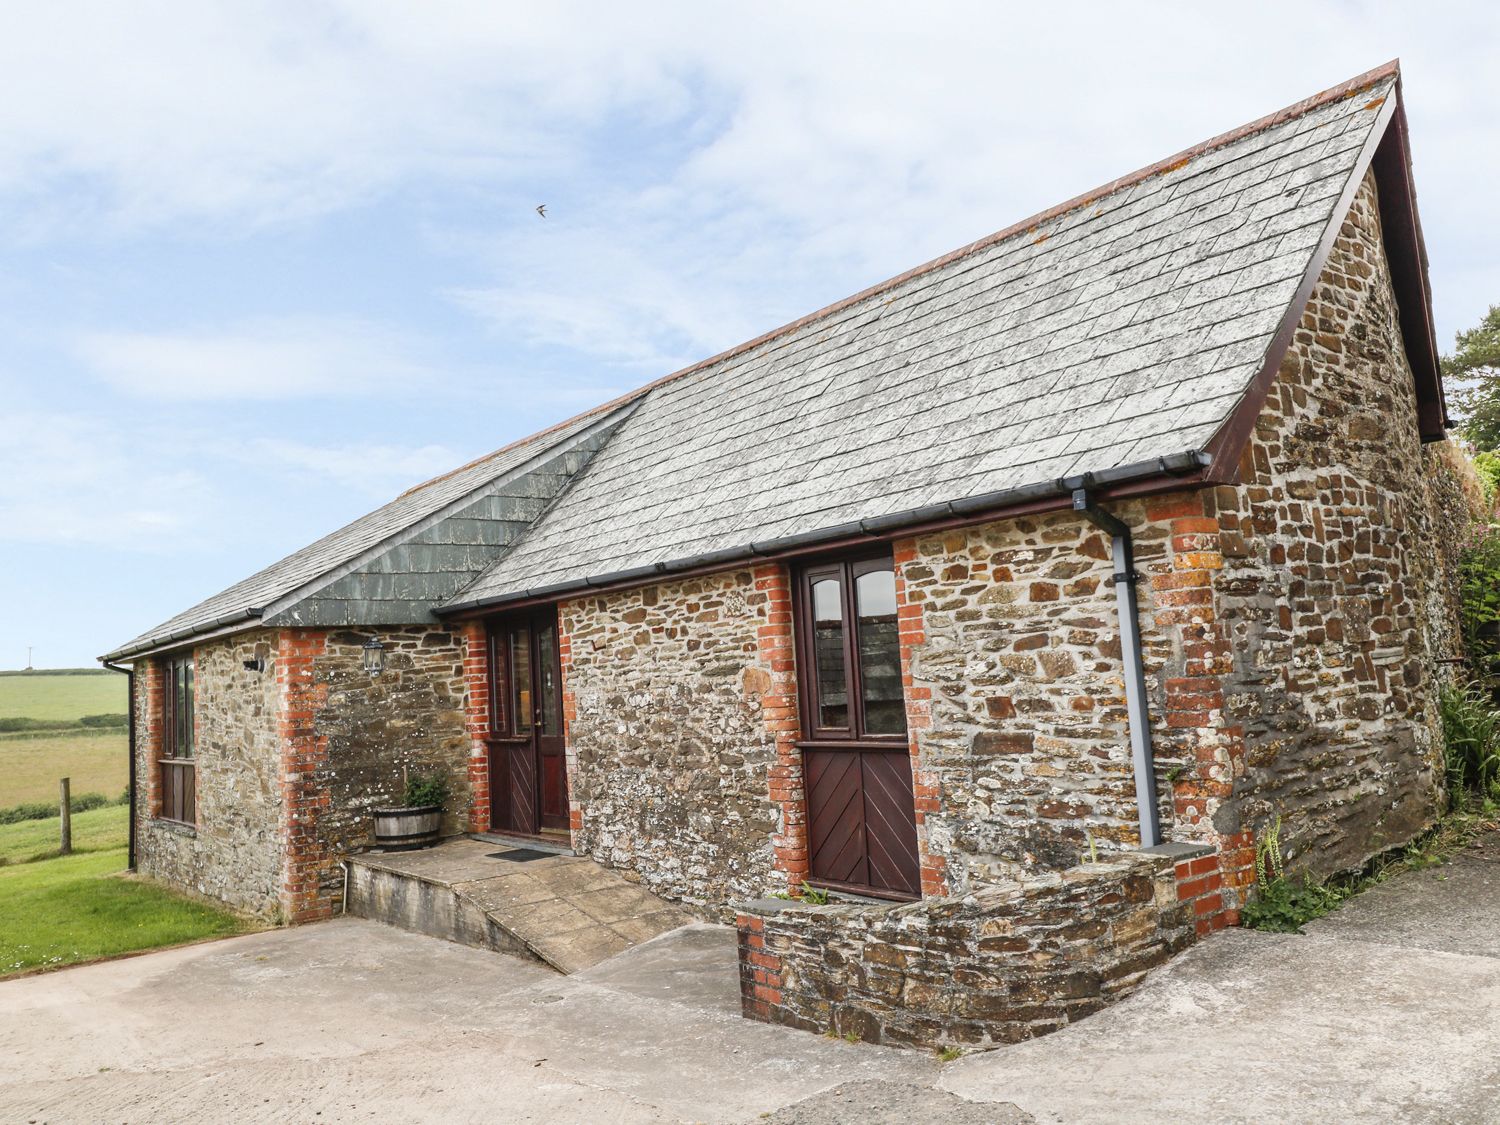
[1453,907]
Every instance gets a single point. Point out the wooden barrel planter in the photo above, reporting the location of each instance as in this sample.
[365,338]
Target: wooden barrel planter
[405,828]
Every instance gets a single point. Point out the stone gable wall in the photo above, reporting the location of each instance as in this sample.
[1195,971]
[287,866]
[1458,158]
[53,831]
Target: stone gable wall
[1332,594]
[234,853]
[670,744]
[1291,626]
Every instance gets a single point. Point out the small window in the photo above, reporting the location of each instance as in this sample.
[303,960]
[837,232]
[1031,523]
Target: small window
[851,679]
[179,789]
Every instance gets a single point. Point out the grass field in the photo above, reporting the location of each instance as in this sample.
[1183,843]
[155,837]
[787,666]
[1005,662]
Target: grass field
[30,767]
[97,830]
[40,696]
[81,908]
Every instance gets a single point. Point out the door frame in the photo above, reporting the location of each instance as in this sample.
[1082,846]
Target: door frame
[853,742]
[505,744]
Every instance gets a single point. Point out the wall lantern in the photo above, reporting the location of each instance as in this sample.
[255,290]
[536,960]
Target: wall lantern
[374,657]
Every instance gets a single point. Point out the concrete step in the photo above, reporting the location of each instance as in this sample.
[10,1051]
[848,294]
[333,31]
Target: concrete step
[565,910]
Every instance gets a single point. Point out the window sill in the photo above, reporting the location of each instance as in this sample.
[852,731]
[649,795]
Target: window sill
[177,827]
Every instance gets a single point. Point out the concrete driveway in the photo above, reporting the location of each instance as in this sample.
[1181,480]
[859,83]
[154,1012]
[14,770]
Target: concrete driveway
[1389,1011]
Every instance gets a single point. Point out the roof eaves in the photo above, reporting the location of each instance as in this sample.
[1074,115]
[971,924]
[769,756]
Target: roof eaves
[216,626]
[224,623]
[1179,467]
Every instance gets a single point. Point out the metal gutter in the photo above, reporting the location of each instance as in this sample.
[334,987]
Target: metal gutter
[1135,670]
[130,752]
[974,509]
[166,640]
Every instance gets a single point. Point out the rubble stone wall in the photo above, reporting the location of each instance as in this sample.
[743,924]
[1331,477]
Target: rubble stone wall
[233,852]
[1005,963]
[670,742]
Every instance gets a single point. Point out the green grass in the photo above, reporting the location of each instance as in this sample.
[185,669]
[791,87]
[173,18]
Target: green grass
[43,696]
[97,830]
[30,767]
[82,908]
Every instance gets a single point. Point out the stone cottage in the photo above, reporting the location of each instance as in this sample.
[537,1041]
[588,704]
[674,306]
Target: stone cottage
[1009,597]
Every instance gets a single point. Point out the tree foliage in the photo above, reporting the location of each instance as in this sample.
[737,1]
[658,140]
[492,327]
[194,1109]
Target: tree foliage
[1473,376]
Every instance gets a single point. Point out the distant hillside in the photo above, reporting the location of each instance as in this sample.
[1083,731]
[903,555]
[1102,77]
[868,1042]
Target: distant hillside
[57,672]
[49,695]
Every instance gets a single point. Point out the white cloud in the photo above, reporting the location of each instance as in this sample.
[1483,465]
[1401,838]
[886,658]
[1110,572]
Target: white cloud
[840,140]
[265,361]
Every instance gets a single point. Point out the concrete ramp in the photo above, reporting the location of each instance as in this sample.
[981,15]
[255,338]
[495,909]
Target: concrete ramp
[561,909]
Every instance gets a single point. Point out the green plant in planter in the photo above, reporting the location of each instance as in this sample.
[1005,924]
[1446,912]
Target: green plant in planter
[423,789]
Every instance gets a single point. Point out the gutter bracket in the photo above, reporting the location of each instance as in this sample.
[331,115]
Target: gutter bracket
[1138,714]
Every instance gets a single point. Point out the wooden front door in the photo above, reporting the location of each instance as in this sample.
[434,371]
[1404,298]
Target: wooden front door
[528,769]
[856,764]
[861,821]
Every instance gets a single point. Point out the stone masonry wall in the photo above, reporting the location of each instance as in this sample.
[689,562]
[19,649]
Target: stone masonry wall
[359,736]
[671,703]
[1005,963]
[1016,693]
[1291,626]
[1331,597]
[233,854]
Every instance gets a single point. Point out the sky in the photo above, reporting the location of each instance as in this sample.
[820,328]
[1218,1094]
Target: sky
[265,265]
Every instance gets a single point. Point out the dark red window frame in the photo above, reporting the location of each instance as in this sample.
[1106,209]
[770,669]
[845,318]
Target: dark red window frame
[847,571]
[179,778]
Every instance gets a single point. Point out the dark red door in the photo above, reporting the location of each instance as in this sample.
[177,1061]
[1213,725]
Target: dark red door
[528,769]
[861,816]
[862,822]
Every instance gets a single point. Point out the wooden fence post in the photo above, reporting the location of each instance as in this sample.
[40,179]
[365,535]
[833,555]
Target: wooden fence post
[65,808]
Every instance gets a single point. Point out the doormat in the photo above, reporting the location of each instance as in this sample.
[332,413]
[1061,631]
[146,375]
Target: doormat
[522,855]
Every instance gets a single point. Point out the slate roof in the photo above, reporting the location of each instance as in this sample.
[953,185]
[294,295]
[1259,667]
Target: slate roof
[302,575]
[1118,329]
[1114,335]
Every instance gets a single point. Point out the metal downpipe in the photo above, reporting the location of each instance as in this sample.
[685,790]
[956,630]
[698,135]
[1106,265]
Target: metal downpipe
[130,751]
[1135,670]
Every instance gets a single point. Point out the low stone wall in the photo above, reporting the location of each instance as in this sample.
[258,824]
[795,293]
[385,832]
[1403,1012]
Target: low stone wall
[1005,963]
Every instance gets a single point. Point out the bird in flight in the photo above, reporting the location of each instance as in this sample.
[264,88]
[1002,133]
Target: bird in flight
[541,209]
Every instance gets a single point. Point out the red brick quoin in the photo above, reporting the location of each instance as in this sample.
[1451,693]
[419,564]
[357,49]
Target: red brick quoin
[778,703]
[154,688]
[760,971]
[477,689]
[305,893]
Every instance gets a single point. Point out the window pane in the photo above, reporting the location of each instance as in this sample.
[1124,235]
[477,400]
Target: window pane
[179,694]
[828,654]
[879,653]
[499,704]
[189,740]
[520,678]
[546,643]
